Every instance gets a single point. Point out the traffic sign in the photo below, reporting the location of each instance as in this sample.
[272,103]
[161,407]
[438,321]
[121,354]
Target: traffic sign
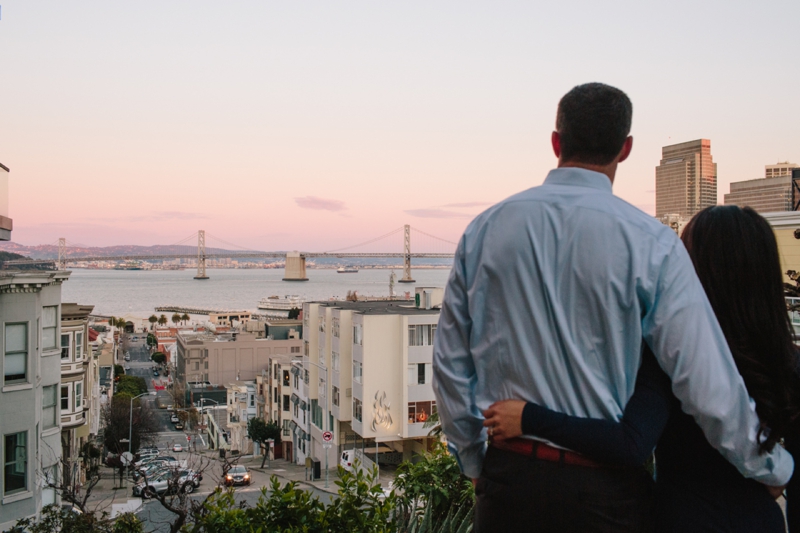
[188,438]
[126,458]
[327,436]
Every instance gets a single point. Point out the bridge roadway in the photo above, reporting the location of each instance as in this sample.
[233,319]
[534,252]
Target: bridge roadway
[245,255]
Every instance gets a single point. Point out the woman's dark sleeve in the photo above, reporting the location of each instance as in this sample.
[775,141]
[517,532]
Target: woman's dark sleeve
[628,442]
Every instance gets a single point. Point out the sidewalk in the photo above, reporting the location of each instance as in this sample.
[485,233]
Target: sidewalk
[287,471]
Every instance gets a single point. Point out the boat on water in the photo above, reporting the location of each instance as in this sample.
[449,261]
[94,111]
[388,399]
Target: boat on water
[129,265]
[275,306]
[347,270]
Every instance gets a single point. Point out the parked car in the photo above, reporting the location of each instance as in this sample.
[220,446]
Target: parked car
[127,357]
[179,425]
[166,461]
[155,373]
[148,450]
[175,480]
[174,419]
[237,475]
[346,460]
[177,447]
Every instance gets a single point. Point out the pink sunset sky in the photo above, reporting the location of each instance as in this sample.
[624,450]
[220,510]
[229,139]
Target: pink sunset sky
[315,125]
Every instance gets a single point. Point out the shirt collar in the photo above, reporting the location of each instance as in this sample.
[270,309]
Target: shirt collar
[578,177]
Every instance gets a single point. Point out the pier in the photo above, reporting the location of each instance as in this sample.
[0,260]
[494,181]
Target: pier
[199,310]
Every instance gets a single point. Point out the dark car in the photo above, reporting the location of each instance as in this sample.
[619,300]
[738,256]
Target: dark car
[237,475]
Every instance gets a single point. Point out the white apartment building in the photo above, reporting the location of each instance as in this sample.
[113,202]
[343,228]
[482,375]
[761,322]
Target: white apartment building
[30,414]
[274,401]
[241,408]
[369,375]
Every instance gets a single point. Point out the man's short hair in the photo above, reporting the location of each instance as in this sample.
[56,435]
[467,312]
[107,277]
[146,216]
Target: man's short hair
[593,122]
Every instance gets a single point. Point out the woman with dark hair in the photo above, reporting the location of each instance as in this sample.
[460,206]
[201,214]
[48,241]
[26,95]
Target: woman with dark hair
[736,258]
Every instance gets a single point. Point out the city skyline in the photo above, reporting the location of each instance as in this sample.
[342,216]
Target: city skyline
[310,127]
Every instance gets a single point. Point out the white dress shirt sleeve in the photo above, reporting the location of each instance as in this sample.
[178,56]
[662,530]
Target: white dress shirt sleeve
[683,332]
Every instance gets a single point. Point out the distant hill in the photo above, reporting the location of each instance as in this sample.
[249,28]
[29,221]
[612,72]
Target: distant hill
[10,256]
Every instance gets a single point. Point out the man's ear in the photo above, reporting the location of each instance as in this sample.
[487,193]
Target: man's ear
[626,149]
[555,140]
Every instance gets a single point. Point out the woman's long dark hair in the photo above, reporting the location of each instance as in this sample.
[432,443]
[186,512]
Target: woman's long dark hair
[735,254]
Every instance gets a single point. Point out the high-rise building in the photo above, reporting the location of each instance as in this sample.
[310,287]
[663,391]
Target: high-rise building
[686,179]
[770,194]
[779,169]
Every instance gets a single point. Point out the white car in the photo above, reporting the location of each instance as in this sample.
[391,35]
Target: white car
[174,419]
[177,447]
[346,460]
[176,480]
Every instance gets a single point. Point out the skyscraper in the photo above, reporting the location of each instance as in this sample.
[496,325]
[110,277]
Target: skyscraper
[769,194]
[686,179]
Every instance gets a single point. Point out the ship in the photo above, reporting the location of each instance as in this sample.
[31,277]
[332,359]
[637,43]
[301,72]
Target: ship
[129,265]
[347,270]
[276,307]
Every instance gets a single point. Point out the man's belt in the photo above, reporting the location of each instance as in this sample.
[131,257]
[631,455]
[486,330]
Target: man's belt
[545,452]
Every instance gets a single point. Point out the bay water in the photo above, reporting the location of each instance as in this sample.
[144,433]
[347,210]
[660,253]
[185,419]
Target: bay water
[138,292]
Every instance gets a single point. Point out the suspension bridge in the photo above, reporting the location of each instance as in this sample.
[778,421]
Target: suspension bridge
[398,240]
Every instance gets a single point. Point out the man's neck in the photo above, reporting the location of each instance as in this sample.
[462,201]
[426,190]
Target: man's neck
[609,170]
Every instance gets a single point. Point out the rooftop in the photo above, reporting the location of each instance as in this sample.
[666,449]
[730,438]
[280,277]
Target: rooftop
[381,307]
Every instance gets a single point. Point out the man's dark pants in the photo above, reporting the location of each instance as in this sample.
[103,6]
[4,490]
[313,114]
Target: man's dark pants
[521,493]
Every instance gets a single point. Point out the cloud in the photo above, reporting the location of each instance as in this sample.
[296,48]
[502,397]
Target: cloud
[320,204]
[436,213]
[468,204]
[650,191]
[176,215]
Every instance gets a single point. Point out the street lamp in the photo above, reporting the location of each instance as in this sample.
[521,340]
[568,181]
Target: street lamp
[325,445]
[130,426]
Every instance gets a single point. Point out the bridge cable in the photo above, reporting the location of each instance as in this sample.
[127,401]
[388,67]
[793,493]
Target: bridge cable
[364,243]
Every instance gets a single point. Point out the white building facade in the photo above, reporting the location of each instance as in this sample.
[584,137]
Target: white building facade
[30,414]
[369,375]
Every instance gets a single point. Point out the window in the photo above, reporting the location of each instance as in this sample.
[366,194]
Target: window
[322,323]
[358,371]
[306,377]
[357,334]
[419,412]
[357,409]
[285,378]
[15,461]
[275,396]
[49,407]
[79,345]
[197,365]
[65,398]
[305,348]
[316,413]
[49,327]
[205,365]
[275,371]
[421,335]
[335,395]
[78,396]
[294,349]
[252,400]
[15,363]
[335,360]
[66,348]
[285,402]
[335,327]
[421,374]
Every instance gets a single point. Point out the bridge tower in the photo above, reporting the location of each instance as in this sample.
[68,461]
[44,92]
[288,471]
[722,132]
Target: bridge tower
[62,253]
[407,256]
[201,255]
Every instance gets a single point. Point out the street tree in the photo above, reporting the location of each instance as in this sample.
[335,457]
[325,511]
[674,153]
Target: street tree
[153,319]
[294,313]
[159,358]
[260,431]
[152,340]
[116,419]
[131,385]
[184,318]
[121,323]
[162,320]
[176,318]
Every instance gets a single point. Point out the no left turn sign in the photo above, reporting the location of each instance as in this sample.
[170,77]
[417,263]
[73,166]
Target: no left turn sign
[327,436]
